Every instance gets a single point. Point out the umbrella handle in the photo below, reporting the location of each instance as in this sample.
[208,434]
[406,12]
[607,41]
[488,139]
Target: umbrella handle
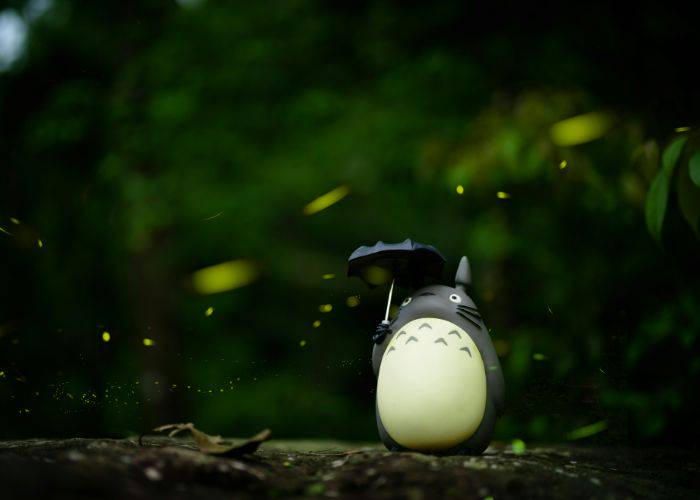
[388,304]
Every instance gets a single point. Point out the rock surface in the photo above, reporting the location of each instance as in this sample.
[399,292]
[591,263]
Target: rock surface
[173,468]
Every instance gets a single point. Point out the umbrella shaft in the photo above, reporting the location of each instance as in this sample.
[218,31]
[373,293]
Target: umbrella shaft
[388,304]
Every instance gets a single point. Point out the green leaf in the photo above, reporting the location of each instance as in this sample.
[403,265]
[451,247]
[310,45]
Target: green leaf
[694,168]
[656,204]
[672,153]
[657,197]
[689,198]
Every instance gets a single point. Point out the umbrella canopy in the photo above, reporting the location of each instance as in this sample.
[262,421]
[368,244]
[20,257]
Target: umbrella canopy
[409,264]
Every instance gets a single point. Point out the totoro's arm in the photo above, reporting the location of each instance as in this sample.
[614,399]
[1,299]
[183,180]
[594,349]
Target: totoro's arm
[377,353]
[381,337]
[494,374]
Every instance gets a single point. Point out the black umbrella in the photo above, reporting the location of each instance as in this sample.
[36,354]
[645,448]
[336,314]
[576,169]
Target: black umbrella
[409,264]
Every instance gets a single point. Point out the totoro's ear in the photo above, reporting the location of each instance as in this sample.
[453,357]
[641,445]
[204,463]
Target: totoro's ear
[463,278]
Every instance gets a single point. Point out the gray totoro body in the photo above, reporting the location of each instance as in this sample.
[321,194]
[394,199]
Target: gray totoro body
[439,381]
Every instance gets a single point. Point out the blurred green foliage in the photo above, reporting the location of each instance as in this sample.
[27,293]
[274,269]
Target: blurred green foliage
[144,141]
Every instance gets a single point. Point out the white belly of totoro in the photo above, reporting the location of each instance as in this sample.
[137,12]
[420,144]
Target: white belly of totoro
[431,393]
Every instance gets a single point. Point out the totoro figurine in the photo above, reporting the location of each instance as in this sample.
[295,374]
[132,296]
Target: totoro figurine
[439,381]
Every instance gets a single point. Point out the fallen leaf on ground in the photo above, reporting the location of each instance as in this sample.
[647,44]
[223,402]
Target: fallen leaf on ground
[216,445]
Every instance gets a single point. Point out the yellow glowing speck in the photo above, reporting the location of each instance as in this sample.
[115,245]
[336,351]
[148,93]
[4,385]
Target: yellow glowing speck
[213,216]
[106,337]
[148,342]
[302,343]
[563,164]
[209,311]
[40,243]
[3,230]
[316,323]
[460,189]
[2,374]
[352,301]
[503,195]
[326,200]
[324,308]
[682,129]
[328,276]
[539,357]
[224,276]
[14,220]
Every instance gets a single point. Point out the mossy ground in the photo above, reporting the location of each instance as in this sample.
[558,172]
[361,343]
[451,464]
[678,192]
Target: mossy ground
[173,468]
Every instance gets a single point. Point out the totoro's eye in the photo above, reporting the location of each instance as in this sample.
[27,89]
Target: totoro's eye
[455,298]
[406,301]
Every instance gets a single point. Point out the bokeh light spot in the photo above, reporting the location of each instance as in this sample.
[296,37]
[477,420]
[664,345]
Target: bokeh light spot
[375,275]
[588,430]
[579,129]
[326,200]
[225,276]
[518,446]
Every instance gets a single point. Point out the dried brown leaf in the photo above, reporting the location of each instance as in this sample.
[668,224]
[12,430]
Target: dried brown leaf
[216,445]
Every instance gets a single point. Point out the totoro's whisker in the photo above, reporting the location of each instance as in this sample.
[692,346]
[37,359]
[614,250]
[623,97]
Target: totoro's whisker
[471,313]
[441,341]
[468,351]
[455,332]
[463,315]
[462,306]
[411,338]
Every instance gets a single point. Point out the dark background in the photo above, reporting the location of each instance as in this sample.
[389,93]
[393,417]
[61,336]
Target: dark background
[143,141]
